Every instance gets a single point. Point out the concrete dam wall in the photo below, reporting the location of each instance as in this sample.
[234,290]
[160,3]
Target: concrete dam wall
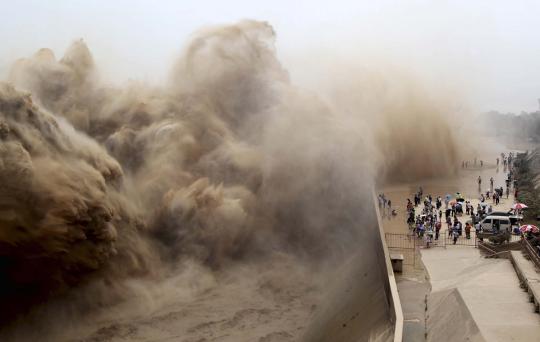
[363,304]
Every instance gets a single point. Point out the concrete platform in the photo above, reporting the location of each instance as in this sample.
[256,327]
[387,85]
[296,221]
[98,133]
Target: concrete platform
[490,290]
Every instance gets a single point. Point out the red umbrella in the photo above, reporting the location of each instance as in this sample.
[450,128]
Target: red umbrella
[529,227]
[519,206]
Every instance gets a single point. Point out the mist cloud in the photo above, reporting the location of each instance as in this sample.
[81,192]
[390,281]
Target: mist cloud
[227,162]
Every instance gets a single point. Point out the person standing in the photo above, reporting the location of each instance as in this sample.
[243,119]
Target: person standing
[410,220]
[429,236]
[479,182]
[455,234]
[468,230]
[437,229]
[421,229]
[491,183]
[478,228]
[457,225]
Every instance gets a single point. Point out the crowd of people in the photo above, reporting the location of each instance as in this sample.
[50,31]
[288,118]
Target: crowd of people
[428,222]
[506,161]
[425,212]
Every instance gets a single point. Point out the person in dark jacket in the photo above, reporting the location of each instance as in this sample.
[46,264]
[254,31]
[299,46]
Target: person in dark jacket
[455,234]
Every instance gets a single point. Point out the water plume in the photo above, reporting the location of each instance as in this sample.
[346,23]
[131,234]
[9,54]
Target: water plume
[228,164]
[62,214]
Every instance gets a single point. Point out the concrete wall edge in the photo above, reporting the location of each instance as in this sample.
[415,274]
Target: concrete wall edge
[396,303]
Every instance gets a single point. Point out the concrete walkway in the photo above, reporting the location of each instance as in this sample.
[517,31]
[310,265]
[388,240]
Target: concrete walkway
[412,294]
[490,290]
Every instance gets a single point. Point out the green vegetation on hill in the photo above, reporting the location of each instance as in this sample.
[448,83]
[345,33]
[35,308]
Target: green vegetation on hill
[528,179]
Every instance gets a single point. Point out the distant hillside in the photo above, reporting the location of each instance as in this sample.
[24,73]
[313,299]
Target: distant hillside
[524,125]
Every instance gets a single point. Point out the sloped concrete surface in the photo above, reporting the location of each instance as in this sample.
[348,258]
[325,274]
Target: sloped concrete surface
[449,319]
[490,290]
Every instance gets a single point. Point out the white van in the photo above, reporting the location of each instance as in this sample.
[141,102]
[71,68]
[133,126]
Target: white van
[495,222]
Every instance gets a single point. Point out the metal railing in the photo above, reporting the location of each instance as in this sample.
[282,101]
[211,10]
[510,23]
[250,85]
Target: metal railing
[462,240]
[400,241]
[408,241]
[532,252]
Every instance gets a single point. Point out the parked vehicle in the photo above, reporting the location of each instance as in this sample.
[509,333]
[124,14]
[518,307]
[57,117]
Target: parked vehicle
[515,220]
[496,223]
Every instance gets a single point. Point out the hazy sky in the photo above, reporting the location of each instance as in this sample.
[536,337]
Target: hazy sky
[488,49]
